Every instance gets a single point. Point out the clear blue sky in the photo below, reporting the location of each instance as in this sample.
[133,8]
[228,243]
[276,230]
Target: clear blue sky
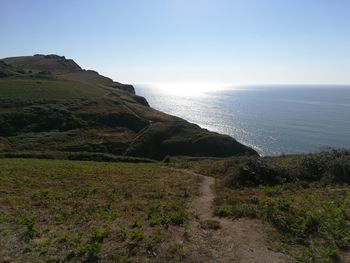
[213,41]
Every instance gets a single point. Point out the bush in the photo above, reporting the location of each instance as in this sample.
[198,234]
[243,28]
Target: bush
[222,211]
[331,166]
[327,167]
[29,223]
[257,171]
[92,247]
[210,224]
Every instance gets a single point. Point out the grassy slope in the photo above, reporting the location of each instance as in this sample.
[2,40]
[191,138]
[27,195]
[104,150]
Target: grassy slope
[22,89]
[76,92]
[89,77]
[75,211]
[305,197]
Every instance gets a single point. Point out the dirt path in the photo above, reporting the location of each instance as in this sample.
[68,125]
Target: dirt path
[242,240]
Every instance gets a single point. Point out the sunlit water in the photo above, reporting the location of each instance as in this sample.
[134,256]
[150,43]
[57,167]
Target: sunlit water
[273,120]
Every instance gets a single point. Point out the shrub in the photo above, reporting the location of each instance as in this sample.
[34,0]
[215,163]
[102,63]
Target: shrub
[222,211]
[91,248]
[327,167]
[331,166]
[210,224]
[41,198]
[131,235]
[256,171]
[136,234]
[29,223]
[98,234]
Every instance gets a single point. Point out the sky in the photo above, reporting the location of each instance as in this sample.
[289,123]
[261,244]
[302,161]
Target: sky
[187,41]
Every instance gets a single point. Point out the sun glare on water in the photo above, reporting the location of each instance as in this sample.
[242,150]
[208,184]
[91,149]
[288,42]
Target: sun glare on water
[188,89]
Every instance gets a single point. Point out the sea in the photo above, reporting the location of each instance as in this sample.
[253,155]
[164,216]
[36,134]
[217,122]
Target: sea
[274,120]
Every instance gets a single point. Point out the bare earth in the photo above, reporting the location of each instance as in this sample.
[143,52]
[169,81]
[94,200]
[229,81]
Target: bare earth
[241,240]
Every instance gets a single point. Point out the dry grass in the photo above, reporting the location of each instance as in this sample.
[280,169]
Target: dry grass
[57,211]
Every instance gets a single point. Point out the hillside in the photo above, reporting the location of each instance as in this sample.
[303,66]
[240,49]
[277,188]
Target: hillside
[49,103]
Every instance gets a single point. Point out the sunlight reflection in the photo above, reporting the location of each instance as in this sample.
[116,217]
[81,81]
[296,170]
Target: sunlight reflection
[188,89]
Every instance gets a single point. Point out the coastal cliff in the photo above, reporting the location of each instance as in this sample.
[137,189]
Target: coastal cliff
[49,103]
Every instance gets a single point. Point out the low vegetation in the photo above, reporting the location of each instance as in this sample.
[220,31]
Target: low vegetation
[210,224]
[305,197]
[60,211]
[48,89]
[79,156]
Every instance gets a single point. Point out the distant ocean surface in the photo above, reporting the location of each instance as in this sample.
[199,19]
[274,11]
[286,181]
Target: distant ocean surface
[273,120]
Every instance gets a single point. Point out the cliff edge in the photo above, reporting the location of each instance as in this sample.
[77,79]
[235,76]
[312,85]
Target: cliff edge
[49,103]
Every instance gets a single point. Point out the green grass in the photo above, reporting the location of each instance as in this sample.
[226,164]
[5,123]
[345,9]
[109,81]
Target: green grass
[312,219]
[88,77]
[24,89]
[85,211]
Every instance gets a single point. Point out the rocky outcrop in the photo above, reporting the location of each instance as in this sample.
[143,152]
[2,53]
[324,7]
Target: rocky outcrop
[125,87]
[141,100]
[52,63]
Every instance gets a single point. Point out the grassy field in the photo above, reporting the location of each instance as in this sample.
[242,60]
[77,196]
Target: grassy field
[305,197]
[58,211]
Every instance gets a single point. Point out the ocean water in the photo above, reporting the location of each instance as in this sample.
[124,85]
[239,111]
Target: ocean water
[273,120]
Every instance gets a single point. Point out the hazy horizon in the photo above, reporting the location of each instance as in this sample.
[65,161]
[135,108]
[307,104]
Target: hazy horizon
[200,41]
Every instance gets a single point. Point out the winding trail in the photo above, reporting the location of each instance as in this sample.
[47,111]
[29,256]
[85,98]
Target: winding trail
[242,240]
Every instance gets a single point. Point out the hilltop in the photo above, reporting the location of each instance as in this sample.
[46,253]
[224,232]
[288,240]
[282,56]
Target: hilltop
[49,103]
